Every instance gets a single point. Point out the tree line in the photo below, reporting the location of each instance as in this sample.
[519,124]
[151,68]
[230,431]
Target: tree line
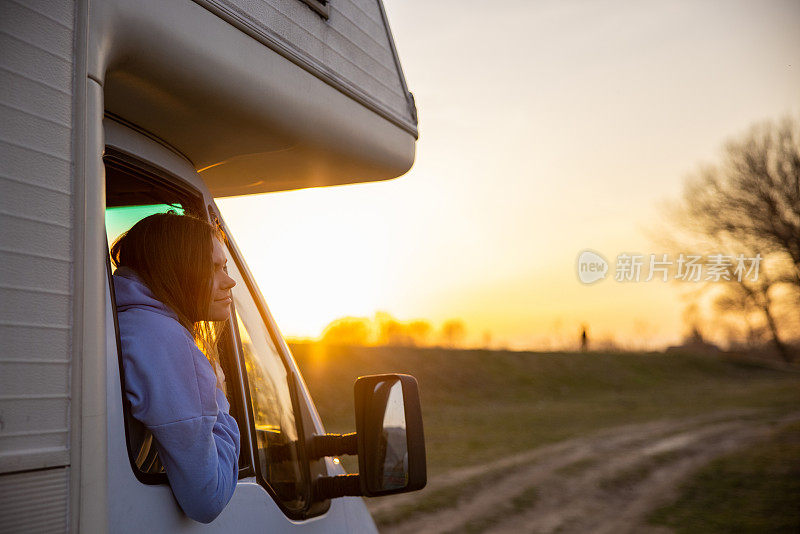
[384,329]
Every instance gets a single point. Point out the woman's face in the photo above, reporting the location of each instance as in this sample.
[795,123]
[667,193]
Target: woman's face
[221,284]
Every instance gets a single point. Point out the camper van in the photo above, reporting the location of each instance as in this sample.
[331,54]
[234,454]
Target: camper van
[112,110]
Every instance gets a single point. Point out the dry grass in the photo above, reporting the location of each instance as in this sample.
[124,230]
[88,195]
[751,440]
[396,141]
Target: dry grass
[480,405]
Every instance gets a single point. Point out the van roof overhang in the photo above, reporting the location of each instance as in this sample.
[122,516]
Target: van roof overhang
[246,117]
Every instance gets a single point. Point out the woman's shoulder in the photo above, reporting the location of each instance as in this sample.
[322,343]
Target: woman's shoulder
[161,360]
[151,325]
[160,342]
[131,293]
[163,364]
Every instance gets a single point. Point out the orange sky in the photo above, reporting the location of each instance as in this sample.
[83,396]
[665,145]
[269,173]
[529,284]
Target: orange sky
[545,128]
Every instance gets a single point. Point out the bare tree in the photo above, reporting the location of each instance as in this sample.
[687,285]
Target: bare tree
[751,203]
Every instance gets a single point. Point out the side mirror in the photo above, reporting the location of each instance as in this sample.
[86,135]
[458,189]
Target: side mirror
[389,441]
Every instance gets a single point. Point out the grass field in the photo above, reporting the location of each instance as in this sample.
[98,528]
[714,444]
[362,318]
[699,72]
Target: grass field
[481,405]
[751,491]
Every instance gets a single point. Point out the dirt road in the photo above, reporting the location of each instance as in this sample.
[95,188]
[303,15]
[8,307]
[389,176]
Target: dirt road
[604,483]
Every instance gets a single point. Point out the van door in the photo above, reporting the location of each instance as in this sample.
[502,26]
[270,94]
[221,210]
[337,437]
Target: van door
[267,396]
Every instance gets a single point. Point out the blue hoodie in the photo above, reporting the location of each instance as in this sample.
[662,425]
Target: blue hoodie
[173,392]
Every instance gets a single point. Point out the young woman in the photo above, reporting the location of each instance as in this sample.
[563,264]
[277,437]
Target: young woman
[170,286]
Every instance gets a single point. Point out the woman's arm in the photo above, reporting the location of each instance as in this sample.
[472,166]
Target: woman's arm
[200,456]
[172,389]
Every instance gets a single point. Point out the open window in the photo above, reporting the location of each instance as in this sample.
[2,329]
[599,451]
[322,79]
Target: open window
[134,191]
[274,418]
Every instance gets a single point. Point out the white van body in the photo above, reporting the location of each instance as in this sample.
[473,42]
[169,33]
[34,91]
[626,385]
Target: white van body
[232,97]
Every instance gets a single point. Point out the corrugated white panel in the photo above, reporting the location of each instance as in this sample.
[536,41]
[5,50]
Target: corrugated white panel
[35,260]
[353,46]
[34,502]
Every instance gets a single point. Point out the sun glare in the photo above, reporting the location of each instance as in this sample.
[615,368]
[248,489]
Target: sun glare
[312,266]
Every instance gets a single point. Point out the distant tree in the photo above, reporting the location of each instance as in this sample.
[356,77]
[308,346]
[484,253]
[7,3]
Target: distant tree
[486,340]
[453,332]
[419,331]
[750,204]
[390,330]
[348,331]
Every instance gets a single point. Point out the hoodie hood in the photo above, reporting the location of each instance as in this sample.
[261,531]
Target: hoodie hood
[132,293]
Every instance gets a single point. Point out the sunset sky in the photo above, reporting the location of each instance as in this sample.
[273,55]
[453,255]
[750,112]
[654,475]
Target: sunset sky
[546,128]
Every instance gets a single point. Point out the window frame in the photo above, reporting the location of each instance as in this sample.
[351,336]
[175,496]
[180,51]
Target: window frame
[202,205]
[167,181]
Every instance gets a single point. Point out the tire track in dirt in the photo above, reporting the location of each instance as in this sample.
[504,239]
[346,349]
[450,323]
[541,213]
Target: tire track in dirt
[565,502]
[616,495]
[460,476]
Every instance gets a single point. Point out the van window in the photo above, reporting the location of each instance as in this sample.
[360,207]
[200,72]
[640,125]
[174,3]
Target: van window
[120,219]
[270,393]
[132,193]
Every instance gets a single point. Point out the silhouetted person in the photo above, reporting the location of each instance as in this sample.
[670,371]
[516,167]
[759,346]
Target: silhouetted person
[584,340]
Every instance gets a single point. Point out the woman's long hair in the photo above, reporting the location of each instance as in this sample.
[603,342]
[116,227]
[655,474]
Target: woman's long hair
[172,255]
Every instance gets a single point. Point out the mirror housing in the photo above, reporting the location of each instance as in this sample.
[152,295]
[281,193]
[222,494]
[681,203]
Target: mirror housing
[391,442]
